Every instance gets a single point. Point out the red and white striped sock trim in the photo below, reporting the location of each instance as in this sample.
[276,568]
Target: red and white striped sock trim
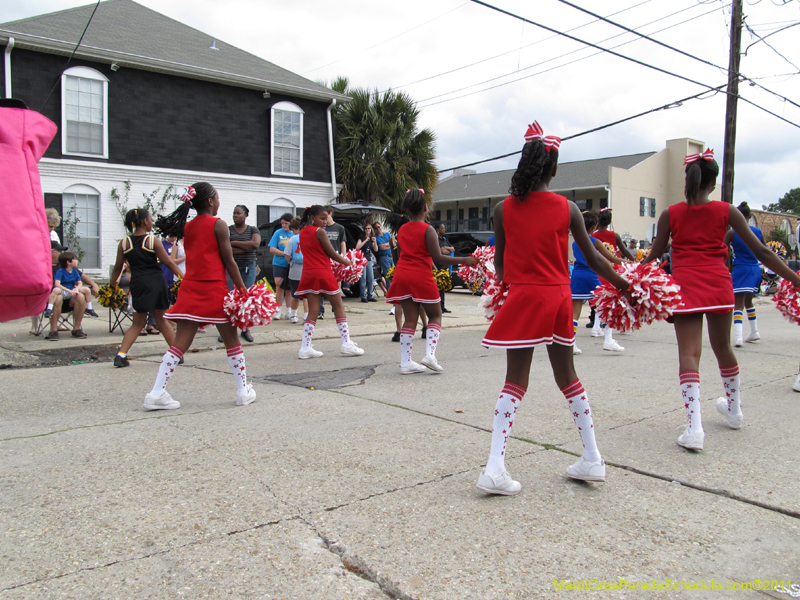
[435,326]
[407,330]
[309,322]
[512,389]
[342,320]
[234,350]
[176,352]
[731,371]
[574,388]
[690,377]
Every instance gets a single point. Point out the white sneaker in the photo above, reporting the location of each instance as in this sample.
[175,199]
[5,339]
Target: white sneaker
[734,421]
[753,337]
[796,386]
[693,441]
[162,402]
[597,332]
[293,319]
[576,350]
[498,484]
[308,353]
[588,471]
[391,312]
[246,396]
[278,315]
[738,342]
[411,367]
[351,349]
[612,346]
[430,361]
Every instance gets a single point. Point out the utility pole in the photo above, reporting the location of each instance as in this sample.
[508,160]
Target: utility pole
[733,97]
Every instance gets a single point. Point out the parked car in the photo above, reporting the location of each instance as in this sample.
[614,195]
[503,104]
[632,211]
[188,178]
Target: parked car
[350,215]
[464,244]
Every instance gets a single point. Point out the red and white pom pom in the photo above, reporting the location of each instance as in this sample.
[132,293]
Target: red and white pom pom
[254,307]
[475,275]
[494,294]
[787,301]
[656,295]
[350,274]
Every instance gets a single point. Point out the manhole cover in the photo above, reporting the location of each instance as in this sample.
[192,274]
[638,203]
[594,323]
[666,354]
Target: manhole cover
[321,380]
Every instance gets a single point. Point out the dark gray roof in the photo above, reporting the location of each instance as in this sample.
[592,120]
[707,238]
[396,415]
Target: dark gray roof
[133,35]
[570,176]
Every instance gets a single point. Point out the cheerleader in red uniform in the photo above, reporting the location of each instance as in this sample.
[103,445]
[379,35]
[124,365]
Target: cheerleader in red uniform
[413,285]
[698,228]
[531,228]
[317,280]
[605,235]
[203,290]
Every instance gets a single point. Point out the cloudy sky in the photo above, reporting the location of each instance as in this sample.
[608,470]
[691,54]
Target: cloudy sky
[447,54]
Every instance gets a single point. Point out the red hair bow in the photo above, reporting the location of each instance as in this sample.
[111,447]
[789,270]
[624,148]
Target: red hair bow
[707,155]
[189,195]
[535,132]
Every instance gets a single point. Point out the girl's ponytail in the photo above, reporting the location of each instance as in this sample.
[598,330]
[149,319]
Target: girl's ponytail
[534,165]
[701,171]
[134,217]
[196,196]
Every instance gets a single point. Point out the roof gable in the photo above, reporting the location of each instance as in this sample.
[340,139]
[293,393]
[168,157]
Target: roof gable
[133,35]
[570,176]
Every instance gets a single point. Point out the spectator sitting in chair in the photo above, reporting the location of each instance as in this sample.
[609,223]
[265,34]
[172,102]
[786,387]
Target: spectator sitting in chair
[68,282]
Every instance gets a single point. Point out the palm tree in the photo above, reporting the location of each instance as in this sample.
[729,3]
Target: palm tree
[380,152]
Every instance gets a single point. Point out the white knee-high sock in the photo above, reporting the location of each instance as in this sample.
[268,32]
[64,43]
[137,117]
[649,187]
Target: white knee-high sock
[731,383]
[432,335]
[690,390]
[168,363]
[343,330]
[751,318]
[236,361]
[596,322]
[578,404]
[607,332]
[504,412]
[738,317]
[406,344]
[308,333]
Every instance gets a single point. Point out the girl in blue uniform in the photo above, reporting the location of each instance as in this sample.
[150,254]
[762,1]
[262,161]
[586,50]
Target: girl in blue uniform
[746,276]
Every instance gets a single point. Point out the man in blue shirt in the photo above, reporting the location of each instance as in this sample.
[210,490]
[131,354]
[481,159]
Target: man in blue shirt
[280,266]
[384,241]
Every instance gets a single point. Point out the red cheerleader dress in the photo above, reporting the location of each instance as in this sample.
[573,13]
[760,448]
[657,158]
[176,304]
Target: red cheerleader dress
[698,256]
[204,287]
[317,277]
[413,274]
[538,309]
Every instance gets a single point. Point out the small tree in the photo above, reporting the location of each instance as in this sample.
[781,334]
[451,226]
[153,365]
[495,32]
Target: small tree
[790,203]
[153,203]
[779,235]
[70,230]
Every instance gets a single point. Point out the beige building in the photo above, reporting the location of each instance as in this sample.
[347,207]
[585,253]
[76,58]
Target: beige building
[637,187]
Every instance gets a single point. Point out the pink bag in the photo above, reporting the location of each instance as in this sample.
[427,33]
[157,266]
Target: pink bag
[26,275]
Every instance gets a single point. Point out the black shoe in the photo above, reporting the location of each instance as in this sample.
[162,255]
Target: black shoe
[396,336]
[424,335]
[372,300]
[219,339]
[180,362]
[321,316]
[364,300]
[247,336]
[91,313]
[444,310]
[121,361]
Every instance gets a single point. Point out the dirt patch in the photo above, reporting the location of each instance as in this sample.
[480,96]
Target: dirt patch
[78,355]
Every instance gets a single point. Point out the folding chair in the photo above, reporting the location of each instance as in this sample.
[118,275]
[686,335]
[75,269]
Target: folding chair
[117,318]
[65,319]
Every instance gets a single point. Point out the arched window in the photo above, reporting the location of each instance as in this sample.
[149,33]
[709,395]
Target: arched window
[786,227]
[752,220]
[81,207]
[279,207]
[287,139]
[84,113]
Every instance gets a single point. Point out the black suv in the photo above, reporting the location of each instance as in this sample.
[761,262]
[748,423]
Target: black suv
[351,216]
[465,243]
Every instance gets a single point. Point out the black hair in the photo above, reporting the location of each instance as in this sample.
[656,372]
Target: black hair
[589,219]
[65,257]
[413,202]
[744,208]
[287,217]
[134,218]
[173,223]
[604,218]
[535,164]
[394,221]
[309,212]
[699,175]
[245,210]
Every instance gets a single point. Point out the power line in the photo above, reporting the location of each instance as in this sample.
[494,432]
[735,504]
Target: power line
[762,39]
[556,58]
[675,104]
[513,51]
[617,54]
[58,80]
